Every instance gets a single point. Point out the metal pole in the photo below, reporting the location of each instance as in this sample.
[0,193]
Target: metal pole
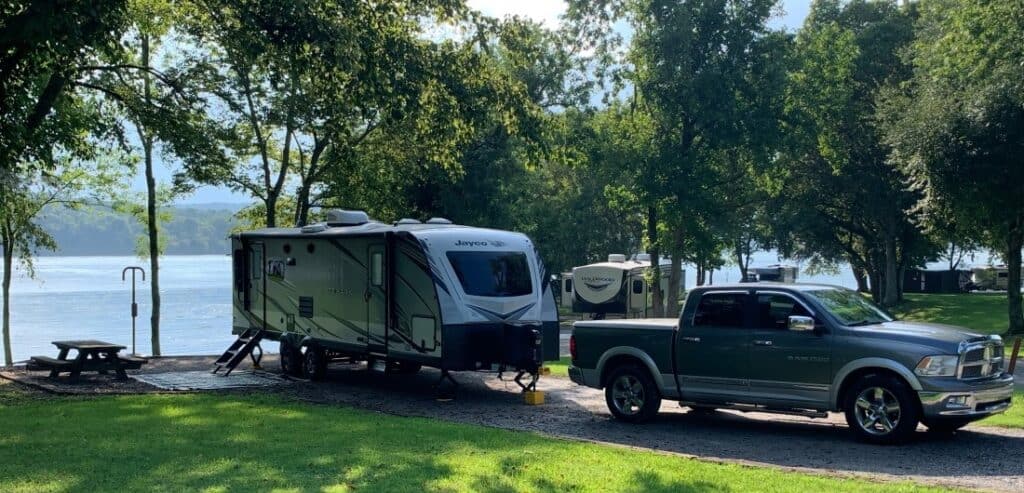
[135,306]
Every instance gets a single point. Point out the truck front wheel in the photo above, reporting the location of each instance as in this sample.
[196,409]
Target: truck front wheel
[631,394]
[881,409]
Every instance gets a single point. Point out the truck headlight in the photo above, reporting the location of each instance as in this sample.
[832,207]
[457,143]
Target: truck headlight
[937,366]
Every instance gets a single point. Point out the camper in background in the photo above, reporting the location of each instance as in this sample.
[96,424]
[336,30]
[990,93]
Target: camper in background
[991,278]
[617,286]
[397,296]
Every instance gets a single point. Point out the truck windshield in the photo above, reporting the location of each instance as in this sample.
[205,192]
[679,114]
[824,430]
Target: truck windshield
[492,274]
[850,307]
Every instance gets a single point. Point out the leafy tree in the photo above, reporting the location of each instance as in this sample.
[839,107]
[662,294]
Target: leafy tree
[845,200]
[68,184]
[300,89]
[704,72]
[45,49]
[957,127]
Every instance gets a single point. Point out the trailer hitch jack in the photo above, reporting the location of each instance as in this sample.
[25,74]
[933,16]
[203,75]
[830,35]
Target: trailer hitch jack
[439,386]
[531,386]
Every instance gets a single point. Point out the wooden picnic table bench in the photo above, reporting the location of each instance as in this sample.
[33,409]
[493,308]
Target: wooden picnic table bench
[92,355]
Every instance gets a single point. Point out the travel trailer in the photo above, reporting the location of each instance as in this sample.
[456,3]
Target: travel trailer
[617,286]
[991,277]
[398,296]
[776,273]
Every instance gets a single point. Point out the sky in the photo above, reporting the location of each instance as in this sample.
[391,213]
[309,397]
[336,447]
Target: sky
[544,11]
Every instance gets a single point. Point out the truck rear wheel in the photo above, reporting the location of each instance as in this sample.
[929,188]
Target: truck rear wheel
[631,394]
[881,409]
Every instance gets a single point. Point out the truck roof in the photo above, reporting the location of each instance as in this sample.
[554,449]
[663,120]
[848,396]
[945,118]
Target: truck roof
[798,286]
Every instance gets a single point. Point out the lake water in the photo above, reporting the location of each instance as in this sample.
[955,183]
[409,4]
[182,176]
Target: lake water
[84,298]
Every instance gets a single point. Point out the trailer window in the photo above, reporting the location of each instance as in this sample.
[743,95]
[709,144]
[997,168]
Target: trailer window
[493,274]
[377,269]
[638,287]
[568,285]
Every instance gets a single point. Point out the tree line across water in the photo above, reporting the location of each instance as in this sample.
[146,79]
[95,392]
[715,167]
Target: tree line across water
[880,135]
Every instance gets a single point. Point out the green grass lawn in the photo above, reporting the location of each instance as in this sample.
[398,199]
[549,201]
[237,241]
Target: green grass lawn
[561,367]
[237,443]
[980,312]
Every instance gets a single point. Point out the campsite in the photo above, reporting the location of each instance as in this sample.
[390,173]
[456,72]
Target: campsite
[481,245]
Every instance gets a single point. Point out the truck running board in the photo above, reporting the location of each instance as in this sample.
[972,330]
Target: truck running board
[751,408]
[242,347]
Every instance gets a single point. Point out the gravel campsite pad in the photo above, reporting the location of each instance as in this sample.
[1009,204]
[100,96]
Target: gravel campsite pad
[978,457]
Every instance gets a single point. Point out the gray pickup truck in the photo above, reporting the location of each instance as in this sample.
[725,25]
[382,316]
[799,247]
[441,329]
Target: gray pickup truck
[795,349]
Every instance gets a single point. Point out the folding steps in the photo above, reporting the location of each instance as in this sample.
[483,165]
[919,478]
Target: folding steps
[242,347]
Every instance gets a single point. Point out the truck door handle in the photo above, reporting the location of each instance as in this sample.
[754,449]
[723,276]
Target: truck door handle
[762,343]
[691,339]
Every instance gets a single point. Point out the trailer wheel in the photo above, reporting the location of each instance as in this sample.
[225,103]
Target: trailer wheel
[406,368]
[631,394]
[314,362]
[291,359]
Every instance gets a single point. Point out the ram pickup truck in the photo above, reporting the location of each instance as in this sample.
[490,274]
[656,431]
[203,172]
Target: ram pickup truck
[795,349]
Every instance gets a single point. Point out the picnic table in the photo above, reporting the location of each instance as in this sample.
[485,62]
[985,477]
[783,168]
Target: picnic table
[92,355]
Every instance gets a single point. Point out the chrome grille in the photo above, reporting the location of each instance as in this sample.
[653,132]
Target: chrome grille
[981,359]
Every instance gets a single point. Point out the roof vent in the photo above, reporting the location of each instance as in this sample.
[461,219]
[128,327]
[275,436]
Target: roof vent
[617,257]
[406,220]
[438,220]
[340,217]
[314,228]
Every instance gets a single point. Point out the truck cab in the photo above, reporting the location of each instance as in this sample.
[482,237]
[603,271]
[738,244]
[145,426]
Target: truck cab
[797,349]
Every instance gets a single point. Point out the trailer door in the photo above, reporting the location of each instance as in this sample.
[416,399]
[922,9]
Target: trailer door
[376,299]
[256,296]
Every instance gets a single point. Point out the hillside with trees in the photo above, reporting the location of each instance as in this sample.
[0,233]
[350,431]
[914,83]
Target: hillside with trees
[103,231]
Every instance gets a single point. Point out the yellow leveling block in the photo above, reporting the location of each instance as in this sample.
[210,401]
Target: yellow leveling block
[544,371]
[534,397]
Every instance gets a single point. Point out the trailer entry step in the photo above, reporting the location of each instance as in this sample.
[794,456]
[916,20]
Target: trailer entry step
[244,346]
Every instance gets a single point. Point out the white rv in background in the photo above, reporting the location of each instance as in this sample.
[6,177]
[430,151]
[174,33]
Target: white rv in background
[617,286]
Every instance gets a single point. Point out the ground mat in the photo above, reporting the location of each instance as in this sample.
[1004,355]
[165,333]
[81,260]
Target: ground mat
[204,380]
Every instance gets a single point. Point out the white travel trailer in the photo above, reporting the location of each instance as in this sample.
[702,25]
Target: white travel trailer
[398,296]
[991,277]
[776,273]
[617,286]
[565,290]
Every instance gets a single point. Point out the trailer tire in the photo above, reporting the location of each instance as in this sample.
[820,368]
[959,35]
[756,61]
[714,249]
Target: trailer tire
[631,394]
[405,368]
[314,362]
[291,359]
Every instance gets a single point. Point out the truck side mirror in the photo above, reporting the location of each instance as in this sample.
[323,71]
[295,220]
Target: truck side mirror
[800,323]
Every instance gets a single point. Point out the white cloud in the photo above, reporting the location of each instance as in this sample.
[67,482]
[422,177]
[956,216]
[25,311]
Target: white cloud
[545,12]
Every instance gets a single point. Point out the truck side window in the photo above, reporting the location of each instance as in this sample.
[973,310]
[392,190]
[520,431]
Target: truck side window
[774,310]
[720,310]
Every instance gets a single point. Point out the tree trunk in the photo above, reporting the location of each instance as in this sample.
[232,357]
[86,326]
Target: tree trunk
[151,216]
[861,278]
[302,206]
[8,266]
[1014,243]
[700,274]
[741,262]
[890,292]
[657,297]
[875,281]
[271,205]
